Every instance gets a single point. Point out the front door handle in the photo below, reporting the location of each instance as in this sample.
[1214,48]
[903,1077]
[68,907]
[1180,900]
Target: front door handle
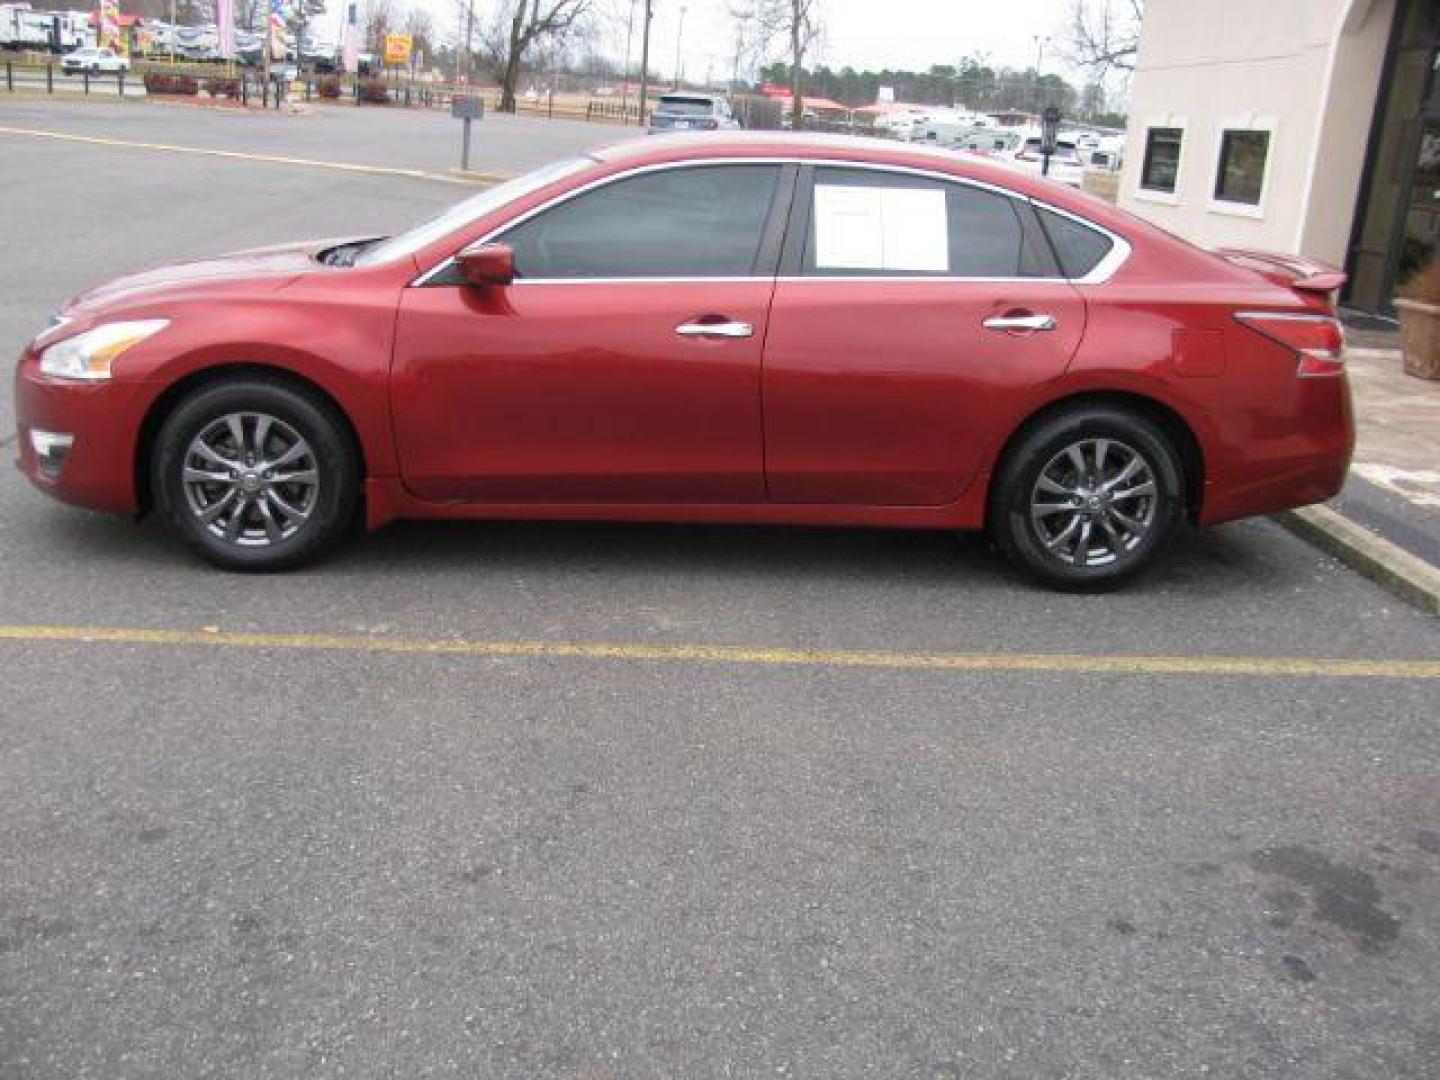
[1025,323]
[716,329]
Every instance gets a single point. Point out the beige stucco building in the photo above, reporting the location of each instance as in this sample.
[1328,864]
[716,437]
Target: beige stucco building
[1292,125]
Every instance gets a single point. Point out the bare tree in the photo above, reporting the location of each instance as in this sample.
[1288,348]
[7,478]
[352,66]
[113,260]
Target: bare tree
[381,18]
[420,25]
[796,23]
[521,24]
[1103,35]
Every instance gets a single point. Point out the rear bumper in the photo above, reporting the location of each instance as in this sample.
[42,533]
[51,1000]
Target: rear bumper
[1282,466]
[98,472]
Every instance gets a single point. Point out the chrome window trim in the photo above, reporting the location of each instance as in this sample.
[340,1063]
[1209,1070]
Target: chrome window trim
[933,279]
[1115,258]
[1099,274]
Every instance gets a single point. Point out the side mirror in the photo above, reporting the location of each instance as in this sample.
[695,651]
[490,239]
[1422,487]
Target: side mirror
[487,264]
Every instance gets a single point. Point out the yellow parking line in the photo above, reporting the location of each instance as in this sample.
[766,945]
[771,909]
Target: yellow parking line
[1286,666]
[274,159]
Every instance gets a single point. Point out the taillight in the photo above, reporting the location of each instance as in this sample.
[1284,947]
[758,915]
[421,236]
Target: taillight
[1318,340]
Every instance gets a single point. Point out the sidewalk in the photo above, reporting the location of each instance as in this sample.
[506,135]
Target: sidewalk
[1398,424]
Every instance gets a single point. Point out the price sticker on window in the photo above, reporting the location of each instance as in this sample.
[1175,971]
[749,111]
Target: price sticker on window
[877,228]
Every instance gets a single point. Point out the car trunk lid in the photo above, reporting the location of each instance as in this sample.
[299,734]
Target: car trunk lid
[1309,277]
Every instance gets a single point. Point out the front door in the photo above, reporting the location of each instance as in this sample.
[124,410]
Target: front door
[622,365]
[911,318]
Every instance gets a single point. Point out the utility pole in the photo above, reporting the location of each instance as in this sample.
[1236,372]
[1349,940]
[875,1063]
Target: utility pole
[625,68]
[645,56]
[1040,43]
[459,45]
[679,36]
[469,36]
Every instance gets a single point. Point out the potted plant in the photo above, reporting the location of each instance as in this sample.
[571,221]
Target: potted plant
[1419,306]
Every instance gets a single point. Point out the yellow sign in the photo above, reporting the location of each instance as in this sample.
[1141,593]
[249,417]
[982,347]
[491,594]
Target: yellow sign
[397,49]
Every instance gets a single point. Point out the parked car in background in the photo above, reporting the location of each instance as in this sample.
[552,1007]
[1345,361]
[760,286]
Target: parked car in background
[692,112]
[992,142]
[1065,164]
[754,327]
[22,27]
[96,61]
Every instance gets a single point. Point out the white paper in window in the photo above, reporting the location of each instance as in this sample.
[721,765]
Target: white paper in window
[872,228]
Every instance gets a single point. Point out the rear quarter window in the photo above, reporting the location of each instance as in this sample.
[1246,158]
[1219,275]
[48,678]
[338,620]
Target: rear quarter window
[1078,248]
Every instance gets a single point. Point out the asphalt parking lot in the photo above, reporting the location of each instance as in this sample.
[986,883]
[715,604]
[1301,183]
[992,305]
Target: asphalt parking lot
[528,800]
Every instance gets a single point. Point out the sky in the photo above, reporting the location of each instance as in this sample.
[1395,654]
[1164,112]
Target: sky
[874,34]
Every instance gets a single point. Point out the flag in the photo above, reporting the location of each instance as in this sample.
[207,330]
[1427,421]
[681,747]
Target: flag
[225,28]
[277,29]
[110,26]
[350,40]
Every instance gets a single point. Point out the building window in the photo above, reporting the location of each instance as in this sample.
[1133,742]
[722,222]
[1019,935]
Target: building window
[1161,168]
[1243,157]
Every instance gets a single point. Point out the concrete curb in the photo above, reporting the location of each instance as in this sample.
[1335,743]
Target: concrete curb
[1391,567]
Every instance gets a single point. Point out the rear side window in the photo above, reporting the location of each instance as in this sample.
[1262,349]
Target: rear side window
[869,223]
[1079,248]
[703,221]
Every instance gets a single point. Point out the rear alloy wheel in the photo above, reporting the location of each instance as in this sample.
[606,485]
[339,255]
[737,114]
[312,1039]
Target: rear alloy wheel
[255,475]
[1087,497]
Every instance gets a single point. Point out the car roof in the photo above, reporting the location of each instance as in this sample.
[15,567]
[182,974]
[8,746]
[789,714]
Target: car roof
[662,149]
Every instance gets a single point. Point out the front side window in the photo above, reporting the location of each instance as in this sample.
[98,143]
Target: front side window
[864,222]
[1161,168]
[701,221]
[1241,176]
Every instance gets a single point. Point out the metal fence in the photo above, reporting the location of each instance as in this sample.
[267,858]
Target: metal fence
[250,87]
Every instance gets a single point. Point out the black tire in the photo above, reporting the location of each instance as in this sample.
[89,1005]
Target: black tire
[331,456]
[1036,544]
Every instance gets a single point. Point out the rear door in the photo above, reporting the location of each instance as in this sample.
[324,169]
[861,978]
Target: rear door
[913,317]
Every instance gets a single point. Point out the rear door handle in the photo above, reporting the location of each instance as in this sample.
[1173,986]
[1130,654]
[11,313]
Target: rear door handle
[716,329]
[1020,322]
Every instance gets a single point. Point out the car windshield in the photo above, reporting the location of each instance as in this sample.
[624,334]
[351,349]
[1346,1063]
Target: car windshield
[678,106]
[472,209]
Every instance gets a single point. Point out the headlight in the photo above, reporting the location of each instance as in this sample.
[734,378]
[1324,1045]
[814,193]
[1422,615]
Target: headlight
[89,355]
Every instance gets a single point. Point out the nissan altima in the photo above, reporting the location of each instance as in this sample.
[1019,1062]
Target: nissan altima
[739,327]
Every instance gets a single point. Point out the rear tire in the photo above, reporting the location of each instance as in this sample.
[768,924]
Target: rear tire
[1087,497]
[256,475]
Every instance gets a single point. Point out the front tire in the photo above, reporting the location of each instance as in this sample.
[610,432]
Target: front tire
[255,475]
[1087,497]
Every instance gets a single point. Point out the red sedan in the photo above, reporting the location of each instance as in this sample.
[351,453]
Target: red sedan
[721,328]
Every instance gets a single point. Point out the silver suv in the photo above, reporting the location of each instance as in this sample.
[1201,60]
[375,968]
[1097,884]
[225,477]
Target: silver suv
[691,112]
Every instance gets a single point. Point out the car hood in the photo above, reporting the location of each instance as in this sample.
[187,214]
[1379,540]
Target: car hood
[262,269]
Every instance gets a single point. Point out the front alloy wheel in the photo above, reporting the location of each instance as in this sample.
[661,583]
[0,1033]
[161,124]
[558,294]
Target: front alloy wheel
[251,479]
[256,474]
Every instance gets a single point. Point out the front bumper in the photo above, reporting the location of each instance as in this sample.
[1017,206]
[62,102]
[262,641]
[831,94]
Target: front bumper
[104,419]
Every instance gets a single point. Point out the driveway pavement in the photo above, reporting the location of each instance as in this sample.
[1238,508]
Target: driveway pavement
[526,800]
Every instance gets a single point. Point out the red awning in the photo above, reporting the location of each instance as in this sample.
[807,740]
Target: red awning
[819,104]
